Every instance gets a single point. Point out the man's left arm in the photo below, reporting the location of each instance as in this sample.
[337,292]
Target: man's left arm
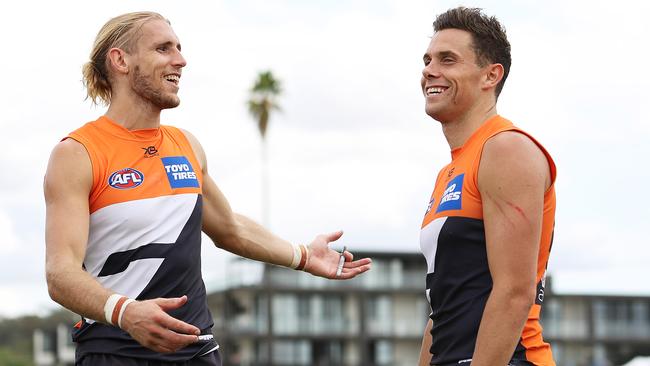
[513,177]
[242,236]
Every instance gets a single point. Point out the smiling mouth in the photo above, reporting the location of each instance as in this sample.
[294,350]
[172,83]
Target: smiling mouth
[435,90]
[173,79]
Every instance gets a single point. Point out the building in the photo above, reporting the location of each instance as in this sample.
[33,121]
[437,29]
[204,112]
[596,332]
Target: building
[597,330]
[53,346]
[270,315]
[378,318]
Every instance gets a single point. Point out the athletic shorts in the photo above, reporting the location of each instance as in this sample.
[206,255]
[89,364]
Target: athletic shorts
[511,363]
[103,359]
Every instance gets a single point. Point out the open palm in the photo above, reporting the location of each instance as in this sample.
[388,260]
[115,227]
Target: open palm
[323,261]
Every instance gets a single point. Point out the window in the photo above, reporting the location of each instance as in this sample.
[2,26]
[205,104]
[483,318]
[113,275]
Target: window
[379,319]
[333,314]
[261,313]
[326,353]
[262,352]
[381,353]
[292,352]
[284,314]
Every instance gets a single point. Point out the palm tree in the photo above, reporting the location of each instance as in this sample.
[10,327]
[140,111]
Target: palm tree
[263,100]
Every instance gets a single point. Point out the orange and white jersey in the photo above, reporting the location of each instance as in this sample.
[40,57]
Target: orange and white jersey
[452,240]
[145,228]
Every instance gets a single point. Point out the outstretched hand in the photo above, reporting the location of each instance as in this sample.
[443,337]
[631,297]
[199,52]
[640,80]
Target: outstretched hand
[323,261]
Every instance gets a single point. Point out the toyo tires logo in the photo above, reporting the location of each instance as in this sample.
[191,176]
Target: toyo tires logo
[126,178]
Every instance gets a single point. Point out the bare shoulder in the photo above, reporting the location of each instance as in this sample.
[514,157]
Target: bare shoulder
[197,148]
[512,156]
[69,149]
[69,166]
[513,142]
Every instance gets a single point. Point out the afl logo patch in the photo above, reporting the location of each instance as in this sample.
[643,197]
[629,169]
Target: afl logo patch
[126,178]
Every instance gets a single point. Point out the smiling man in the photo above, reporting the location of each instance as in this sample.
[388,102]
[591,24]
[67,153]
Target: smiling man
[488,228]
[127,199]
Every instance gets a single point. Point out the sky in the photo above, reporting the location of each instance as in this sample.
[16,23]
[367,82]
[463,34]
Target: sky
[351,148]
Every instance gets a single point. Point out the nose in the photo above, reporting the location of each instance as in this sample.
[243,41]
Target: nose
[430,71]
[179,60]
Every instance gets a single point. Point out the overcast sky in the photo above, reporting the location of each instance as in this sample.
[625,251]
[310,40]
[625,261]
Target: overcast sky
[352,148]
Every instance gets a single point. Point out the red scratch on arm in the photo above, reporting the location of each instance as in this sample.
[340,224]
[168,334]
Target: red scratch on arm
[518,209]
[507,215]
[501,210]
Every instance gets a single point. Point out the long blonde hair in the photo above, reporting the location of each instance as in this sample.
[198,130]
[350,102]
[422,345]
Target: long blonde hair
[120,32]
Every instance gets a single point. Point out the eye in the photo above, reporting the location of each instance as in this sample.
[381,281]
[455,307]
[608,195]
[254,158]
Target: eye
[162,49]
[426,61]
[447,60]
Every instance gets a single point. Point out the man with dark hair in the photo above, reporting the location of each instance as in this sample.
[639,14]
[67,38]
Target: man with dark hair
[488,228]
[127,199]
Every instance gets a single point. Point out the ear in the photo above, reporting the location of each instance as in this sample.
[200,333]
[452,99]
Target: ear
[493,75]
[118,62]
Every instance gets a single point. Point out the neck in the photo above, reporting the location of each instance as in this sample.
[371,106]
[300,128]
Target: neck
[133,114]
[458,130]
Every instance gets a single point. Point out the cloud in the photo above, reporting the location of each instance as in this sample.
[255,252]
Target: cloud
[9,237]
[22,285]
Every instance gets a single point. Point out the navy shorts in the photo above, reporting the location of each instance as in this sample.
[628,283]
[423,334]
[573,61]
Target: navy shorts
[511,363]
[102,359]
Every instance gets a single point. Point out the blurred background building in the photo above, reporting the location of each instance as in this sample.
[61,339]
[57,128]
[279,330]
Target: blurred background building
[273,316]
[597,330]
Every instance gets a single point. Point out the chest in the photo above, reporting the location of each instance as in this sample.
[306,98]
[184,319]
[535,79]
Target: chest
[130,172]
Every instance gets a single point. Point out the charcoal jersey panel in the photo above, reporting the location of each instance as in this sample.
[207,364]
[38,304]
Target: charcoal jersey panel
[452,239]
[145,230]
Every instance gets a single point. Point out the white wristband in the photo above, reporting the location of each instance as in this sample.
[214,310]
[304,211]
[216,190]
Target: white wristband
[114,309]
[304,257]
[110,306]
[119,317]
[297,255]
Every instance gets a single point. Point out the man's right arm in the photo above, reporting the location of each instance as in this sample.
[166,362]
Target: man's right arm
[67,185]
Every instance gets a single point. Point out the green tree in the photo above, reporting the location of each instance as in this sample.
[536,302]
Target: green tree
[16,335]
[10,358]
[262,101]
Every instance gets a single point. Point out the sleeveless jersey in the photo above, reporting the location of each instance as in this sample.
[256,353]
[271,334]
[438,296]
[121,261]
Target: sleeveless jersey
[452,240]
[145,230]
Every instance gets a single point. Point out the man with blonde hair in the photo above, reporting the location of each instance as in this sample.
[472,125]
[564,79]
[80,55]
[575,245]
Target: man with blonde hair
[127,199]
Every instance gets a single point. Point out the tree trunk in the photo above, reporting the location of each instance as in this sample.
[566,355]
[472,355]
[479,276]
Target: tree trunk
[265,185]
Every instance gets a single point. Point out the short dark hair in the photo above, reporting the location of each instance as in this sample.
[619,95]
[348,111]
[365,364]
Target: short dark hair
[489,38]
